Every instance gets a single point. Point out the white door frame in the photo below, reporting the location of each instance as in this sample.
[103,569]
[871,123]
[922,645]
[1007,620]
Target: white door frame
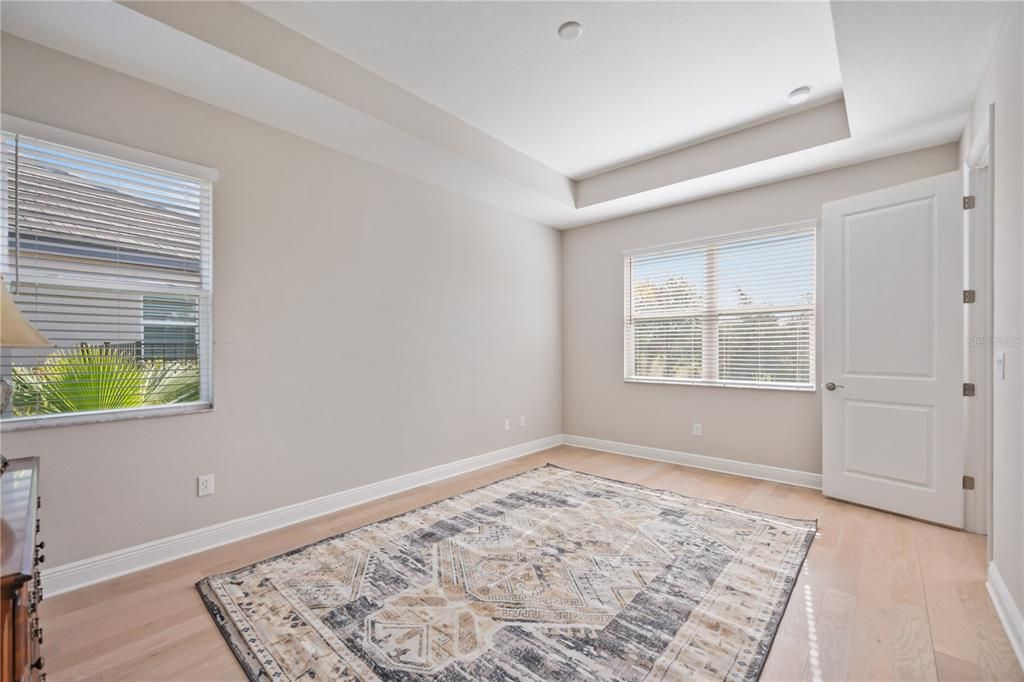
[978,169]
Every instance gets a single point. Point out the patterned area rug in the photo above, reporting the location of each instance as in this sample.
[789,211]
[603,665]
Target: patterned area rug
[548,575]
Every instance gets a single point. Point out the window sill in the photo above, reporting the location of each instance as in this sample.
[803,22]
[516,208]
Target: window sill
[100,416]
[798,388]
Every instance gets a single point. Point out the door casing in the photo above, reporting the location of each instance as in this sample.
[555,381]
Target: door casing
[979,180]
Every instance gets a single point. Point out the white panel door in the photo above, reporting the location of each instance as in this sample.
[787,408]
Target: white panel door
[892,322]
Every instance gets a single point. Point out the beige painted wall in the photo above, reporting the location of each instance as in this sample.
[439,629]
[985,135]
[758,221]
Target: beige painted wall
[319,390]
[367,325]
[776,428]
[1004,84]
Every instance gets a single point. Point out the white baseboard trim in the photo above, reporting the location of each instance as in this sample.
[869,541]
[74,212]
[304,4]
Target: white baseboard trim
[1009,613]
[725,466]
[96,569]
[120,562]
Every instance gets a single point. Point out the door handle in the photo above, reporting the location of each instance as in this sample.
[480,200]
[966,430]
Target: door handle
[833,386]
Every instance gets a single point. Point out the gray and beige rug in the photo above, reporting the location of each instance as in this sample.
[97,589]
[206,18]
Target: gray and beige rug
[548,575]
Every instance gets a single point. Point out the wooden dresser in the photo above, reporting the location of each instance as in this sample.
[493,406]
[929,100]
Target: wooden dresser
[21,657]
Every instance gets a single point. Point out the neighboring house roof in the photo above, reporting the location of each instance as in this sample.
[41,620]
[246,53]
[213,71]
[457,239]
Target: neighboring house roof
[60,213]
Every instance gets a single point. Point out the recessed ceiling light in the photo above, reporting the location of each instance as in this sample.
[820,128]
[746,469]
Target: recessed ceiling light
[570,30]
[800,95]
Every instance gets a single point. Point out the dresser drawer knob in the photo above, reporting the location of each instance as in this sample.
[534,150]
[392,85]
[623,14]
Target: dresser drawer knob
[41,545]
[41,558]
[40,662]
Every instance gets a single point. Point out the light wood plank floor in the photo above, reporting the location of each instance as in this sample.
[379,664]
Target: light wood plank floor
[880,596]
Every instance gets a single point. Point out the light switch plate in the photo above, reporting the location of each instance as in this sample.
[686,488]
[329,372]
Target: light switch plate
[1000,366]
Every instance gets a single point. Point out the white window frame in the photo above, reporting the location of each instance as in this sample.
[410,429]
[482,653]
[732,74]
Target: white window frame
[21,126]
[709,342]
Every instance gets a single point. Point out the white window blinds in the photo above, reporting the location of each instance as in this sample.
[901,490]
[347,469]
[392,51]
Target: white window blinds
[731,311]
[110,260]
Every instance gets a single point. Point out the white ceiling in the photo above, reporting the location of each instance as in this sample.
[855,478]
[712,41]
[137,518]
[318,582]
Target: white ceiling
[910,64]
[910,71]
[643,78]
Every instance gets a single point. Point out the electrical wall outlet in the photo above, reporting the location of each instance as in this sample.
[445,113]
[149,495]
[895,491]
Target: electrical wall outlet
[204,485]
[522,421]
[698,430]
[508,423]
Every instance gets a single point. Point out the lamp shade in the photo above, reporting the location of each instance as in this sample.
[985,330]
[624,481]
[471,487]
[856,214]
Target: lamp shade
[15,330]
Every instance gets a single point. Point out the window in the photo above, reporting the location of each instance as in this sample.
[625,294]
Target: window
[734,311]
[111,260]
[170,327]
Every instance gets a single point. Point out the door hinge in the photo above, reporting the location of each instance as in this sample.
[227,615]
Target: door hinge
[968,482]
[968,202]
[969,390]
[969,295]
